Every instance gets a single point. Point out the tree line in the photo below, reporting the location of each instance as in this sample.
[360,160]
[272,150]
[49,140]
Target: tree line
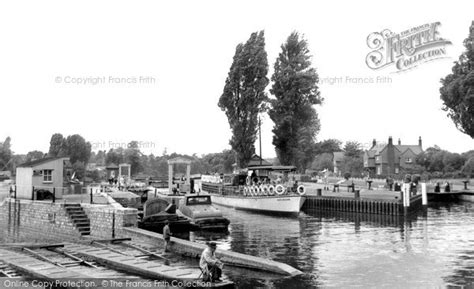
[434,162]
[79,152]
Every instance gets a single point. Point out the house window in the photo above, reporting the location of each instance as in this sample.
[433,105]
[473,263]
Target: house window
[47,176]
[397,170]
[409,160]
[377,158]
[379,170]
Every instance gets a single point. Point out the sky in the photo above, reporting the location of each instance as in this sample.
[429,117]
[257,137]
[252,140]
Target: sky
[153,71]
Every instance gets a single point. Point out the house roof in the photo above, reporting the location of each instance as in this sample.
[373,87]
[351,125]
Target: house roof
[414,148]
[376,149]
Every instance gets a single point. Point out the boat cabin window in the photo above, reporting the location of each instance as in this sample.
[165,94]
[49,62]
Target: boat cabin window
[201,200]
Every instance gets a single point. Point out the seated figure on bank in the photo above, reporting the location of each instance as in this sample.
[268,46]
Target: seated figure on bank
[210,265]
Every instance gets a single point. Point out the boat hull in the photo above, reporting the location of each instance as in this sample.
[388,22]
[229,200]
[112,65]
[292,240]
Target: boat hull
[266,204]
[181,225]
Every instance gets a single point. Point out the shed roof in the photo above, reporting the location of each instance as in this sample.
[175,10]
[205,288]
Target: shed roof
[40,162]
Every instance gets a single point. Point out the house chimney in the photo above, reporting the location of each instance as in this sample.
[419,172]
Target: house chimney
[374,142]
[399,142]
[420,143]
[390,142]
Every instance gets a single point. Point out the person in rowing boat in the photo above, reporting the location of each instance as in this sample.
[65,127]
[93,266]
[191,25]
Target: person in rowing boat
[210,265]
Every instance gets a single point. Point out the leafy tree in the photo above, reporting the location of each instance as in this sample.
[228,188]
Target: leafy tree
[77,149]
[353,149]
[468,168]
[457,91]
[435,159]
[323,161]
[306,146]
[98,158]
[352,162]
[244,95]
[452,162]
[114,156]
[328,146]
[57,145]
[352,165]
[17,160]
[95,175]
[74,146]
[79,169]
[215,163]
[132,156]
[467,155]
[295,90]
[6,155]
[34,155]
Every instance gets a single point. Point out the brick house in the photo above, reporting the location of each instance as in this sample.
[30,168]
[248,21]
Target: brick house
[388,159]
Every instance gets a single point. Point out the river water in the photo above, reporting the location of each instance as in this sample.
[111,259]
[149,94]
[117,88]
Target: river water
[432,249]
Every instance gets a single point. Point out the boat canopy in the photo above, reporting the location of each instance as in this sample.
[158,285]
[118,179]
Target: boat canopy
[273,168]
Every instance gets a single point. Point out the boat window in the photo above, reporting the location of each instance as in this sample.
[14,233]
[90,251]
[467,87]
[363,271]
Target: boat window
[199,200]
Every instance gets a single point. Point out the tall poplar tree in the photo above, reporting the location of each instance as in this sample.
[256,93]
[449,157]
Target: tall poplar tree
[457,91]
[295,90]
[244,95]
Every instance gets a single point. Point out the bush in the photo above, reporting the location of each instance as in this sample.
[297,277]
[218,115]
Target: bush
[305,178]
[347,175]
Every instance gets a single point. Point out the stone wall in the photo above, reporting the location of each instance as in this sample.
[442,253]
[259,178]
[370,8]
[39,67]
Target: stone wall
[102,220]
[44,221]
[32,221]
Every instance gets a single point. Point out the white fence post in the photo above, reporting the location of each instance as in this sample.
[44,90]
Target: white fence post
[424,195]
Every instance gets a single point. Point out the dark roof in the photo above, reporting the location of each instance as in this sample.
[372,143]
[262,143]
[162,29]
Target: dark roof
[258,161]
[273,168]
[39,162]
[416,149]
[376,149]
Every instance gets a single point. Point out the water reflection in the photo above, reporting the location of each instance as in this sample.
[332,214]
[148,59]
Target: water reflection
[337,249]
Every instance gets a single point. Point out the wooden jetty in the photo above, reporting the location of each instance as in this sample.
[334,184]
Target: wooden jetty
[367,201]
[65,261]
[138,265]
[40,269]
[8,271]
